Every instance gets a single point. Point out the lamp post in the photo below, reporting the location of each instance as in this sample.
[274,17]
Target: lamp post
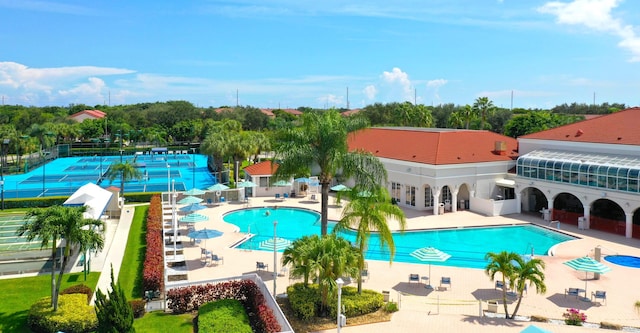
[3,160]
[44,172]
[120,140]
[275,258]
[193,152]
[340,283]
[174,218]
[169,180]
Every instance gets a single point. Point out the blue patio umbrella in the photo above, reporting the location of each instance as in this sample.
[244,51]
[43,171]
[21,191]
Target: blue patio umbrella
[340,188]
[194,191]
[193,218]
[246,183]
[303,180]
[190,200]
[192,207]
[205,234]
[281,183]
[534,329]
[218,187]
[280,243]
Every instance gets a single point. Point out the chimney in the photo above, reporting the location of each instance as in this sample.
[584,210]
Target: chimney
[501,148]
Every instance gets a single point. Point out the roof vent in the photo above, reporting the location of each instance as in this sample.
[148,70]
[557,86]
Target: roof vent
[579,132]
[501,148]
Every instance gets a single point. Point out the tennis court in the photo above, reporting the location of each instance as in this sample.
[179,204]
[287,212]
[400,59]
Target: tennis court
[9,240]
[63,176]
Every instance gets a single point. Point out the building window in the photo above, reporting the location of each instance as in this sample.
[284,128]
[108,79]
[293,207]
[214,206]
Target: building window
[410,195]
[264,181]
[428,197]
[395,191]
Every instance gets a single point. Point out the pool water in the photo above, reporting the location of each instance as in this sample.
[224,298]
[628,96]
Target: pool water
[467,246]
[627,261]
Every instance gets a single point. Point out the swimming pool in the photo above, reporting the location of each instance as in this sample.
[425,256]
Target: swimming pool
[467,246]
[63,176]
[623,260]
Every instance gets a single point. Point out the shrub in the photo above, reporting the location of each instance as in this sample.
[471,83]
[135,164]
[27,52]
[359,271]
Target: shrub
[114,313]
[305,301]
[574,317]
[610,326]
[139,308]
[153,271]
[79,289]
[74,315]
[225,315]
[391,307]
[539,319]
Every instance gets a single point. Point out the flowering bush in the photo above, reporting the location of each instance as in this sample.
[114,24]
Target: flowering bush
[574,317]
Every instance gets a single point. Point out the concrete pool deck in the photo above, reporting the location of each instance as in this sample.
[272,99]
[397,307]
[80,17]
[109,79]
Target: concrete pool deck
[459,307]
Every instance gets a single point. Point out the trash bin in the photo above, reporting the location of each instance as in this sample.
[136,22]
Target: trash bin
[492,306]
[461,206]
[581,223]
[385,296]
[441,208]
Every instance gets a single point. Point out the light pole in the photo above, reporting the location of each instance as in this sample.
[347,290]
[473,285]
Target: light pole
[44,172]
[174,217]
[193,152]
[340,283]
[275,258]
[120,140]
[169,180]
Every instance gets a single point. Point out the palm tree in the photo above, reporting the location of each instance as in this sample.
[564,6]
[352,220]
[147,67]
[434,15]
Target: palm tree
[322,259]
[483,107]
[515,272]
[217,145]
[126,171]
[367,214]
[321,142]
[56,223]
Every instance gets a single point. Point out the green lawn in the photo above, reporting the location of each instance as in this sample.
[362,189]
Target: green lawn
[159,321]
[130,277]
[18,294]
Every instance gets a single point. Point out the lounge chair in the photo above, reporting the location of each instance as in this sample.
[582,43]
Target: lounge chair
[414,278]
[260,266]
[313,198]
[572,292]
[445,280]
[599,294]
[499,284]
[364,274]
[216,259]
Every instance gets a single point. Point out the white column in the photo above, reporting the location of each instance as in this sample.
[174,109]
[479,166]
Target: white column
[519,201]
[436,199]
[629,225]
[587,216]
[454,199]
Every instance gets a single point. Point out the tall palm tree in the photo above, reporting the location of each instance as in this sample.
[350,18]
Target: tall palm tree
[367,214]
[483,107]
[125,171]
[56,223]
[217,145]
[515,272]
[320,142]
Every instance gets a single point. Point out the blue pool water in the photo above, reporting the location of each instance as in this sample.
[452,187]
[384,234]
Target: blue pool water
[63,176]
[628,261]
[467,246]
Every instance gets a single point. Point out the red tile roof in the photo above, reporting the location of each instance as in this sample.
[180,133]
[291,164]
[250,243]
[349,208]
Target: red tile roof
[261,169]
[615,128]
[97,114]
[434,146]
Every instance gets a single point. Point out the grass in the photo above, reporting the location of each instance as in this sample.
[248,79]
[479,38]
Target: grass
[20,293]
[130,276]
[159,321]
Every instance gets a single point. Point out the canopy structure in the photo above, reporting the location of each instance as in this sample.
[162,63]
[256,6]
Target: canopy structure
[93,196]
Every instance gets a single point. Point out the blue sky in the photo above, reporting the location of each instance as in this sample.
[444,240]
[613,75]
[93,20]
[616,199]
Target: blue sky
[291,53]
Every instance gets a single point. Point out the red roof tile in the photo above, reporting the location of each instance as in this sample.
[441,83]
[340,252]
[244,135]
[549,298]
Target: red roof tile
[97,114]
[434,146]
[261,169]
[615,128]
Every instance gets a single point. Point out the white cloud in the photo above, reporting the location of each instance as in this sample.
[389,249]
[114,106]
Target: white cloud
[399,85]
[89,92]
[596,15]
[330,101]
[370,91]
[435,85]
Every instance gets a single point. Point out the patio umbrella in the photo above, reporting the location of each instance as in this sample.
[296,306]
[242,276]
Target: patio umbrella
[587,264]
[281,243]
[247,183]
[534,329]
[430,254]
[282,183]
[192,207]
[340,188]
[218,187]
[205,234]
[190,200]
[193,218]
[303,180]
[194,191]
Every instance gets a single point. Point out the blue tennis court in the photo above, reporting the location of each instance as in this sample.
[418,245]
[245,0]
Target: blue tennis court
[63,176]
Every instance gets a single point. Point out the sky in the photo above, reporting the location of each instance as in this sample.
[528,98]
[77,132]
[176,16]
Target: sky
[320,54]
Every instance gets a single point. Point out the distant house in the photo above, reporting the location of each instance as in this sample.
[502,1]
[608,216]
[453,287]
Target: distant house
[88,114]
[439,170]
[260,173]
